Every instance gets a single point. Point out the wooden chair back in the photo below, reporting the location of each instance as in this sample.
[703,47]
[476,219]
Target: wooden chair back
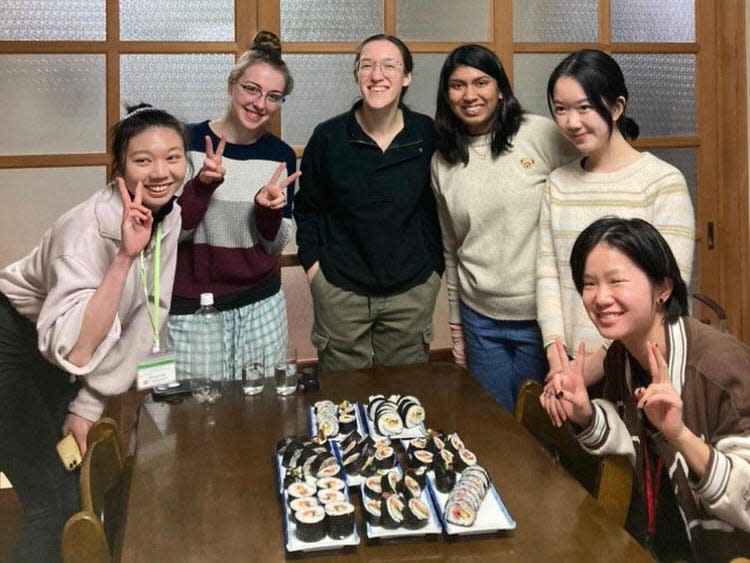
[607,478]
[94,534]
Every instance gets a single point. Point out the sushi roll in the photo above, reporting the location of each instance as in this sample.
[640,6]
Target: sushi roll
[419,474]
[303,503]
[327,496]
[416,514]
[460,514]
[334,483]
[463,459]
[446,456]
[372,404]
[454,443]
[373,487]
[324,465]
[347,423]
[292,476]
[445,478]
[299,489]
[340,519]
[392,512]
[328,424]
[291,455]
[345,407]
[310,524]
[384,458]
[372,512]
[412,415]
[369,467]
[422,458]
[353,463]
[389,482]
[435,444]
[418,443]
[412,486]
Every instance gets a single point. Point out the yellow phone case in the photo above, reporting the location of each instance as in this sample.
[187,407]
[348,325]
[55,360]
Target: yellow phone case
[69,453]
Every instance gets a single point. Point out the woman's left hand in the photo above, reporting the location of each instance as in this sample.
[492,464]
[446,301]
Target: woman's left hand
[273,194]
[136,220]
[79,427]
[660,401]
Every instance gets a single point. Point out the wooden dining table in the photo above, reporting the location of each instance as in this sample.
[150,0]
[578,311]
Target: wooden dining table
[204,486]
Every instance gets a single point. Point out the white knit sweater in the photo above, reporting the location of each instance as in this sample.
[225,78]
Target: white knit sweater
[489,216]
[649,189]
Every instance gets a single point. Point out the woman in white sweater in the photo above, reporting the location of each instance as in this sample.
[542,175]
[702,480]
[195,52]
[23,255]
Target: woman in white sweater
[77,314]
[488,174]
[588,98]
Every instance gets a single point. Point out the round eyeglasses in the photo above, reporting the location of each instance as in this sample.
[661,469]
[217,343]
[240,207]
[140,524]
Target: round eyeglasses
[254,92]
[389,67]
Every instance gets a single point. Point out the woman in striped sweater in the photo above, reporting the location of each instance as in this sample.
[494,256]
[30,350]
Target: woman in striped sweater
[588,98]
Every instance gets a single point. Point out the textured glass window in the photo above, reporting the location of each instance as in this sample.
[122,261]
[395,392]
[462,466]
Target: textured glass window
[662,92]
[323,87]
[422,94]
[330,20]
[33,198]
[47,20]
[444,20]
[670,21]
[530,75]
[686,161]
[192,87]
[54,104]
[177,20]
[555,21]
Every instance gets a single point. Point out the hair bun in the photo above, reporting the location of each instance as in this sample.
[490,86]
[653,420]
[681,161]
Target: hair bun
[267,41]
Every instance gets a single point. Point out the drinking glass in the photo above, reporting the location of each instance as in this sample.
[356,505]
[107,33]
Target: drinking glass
[253,369]
[285,372]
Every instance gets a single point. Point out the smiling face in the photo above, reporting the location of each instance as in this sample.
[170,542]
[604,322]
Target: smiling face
[156,157]
[249,107]
[380,74]
[578,119]
[619,298]
[473,97]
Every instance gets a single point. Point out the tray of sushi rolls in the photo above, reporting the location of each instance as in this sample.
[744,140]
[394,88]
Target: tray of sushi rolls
[397,505]
[335,421]
[467,501]
[318,513]
[396,416]
[364,456]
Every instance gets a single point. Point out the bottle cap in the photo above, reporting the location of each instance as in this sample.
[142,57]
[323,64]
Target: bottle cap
[207,299]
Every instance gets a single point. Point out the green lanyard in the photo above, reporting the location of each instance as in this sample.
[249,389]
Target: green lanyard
[153,310]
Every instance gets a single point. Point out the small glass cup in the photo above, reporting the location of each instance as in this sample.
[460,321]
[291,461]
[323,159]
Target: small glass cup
[285,372]
[253,369]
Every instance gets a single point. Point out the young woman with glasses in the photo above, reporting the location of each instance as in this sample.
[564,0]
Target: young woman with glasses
[588,99]
[367,227]
[236,213]
[488,174]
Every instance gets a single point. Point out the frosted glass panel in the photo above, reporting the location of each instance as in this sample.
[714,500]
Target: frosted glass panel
[444,20]
[192,87]
[330,20]
[530,76]
[555,21]
[686,161]
[177,20]
[33,198]
[323,87]
[662,92]
[422,94]
[649,21]
[54,104]
[44,20]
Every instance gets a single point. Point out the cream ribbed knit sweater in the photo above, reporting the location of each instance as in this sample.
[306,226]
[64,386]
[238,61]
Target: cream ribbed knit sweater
[489,216]
[648,188]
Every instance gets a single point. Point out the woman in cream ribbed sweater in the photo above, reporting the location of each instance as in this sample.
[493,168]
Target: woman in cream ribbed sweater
[488,174]
[588,98]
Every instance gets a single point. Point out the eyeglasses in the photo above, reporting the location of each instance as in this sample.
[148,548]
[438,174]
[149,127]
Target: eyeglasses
[388,67]
[255,92]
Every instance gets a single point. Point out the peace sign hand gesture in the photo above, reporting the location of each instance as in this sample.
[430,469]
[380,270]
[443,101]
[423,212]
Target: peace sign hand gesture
[136,220]
[212,171]
[565,396]
[660,400]
[273,194]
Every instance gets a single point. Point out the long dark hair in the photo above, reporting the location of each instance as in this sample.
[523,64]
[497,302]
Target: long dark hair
[603,82]
[139,118]
[644,246]
[452,135]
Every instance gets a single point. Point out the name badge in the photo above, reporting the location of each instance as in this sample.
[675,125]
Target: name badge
[157,369]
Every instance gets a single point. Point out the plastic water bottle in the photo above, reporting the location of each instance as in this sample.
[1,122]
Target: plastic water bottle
[206,351]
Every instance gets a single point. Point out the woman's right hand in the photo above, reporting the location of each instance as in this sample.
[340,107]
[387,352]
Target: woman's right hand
[212,171]
[565,396]
[457,344]
[312,271]
[136,220]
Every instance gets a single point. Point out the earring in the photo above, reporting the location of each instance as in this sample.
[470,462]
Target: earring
[660,301]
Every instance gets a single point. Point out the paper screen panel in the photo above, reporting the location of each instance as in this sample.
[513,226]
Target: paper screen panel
[444,20]
[665,21]
[555,21]
[177,20]
[330,20]
[51,20]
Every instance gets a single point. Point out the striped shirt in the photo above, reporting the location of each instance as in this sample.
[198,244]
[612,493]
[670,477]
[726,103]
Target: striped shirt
[649,189]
